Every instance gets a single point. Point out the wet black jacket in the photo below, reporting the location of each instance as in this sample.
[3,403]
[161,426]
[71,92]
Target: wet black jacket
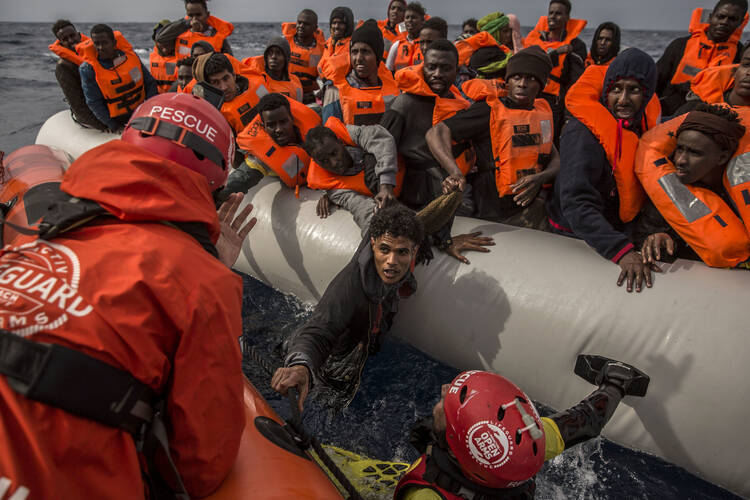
[349,322]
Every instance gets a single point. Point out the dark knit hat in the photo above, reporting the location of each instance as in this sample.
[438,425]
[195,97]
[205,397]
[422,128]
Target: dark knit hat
[530,61]
[370,34]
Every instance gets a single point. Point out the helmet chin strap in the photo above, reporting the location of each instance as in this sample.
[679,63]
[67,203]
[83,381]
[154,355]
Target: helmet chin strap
[534,431]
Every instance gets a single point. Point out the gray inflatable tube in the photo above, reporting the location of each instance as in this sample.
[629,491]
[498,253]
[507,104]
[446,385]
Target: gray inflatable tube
[528,308]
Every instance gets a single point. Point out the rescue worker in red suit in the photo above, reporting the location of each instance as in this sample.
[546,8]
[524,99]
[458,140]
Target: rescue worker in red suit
[485,439]
[124,295]
[68,40]
[712,41]
[695,171]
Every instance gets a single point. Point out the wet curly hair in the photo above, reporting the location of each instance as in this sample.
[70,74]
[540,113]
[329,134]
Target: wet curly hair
[397,221]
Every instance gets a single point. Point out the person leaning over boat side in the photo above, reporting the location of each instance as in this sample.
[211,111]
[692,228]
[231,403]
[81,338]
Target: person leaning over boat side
[67,74]
[596,194]
[200,25]
[485,438]
[512,137]
[390,26]
[140,309]
[356,310]
[306,43]
[711,42]
[695,170]
[605,45]
[357,166]
[337,45]
[557,34]
[274,66]
[362,88]
[114,81]
[404,49]
[241,94]
[273,145]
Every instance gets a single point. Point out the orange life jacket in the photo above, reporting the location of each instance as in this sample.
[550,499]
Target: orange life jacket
[240,111]
[67,54]
[519,138]
[320,178]
[478,89]
[366,105]
[572,30]
[711,84]
[411,81]
[701,52]
[582,101]
[388,36]
[289,162]
[186,40]
[699,215]
[163,69]
[290,88]
[590,62]
[407,52]
[468,46]
[333,50]
[303,61]
[122,86]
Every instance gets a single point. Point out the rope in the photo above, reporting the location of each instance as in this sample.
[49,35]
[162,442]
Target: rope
[298,431]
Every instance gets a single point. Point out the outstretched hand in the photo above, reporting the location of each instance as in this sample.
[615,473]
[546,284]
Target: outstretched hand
[323,208]
[454,182]
[233,232]
[385,197]
[469,242]
[652,247]
[292,376]
[526,189]
[635,270]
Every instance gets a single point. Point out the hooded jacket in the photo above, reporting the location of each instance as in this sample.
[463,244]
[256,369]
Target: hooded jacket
[613,50]
[586,203]
[289,85]
[338,47]
[348,324]
[131,297]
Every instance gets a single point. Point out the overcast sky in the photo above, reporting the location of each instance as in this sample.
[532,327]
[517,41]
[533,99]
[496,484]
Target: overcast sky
[630,14]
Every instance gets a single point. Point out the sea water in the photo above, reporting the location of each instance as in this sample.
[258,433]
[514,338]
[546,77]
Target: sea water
[378,421]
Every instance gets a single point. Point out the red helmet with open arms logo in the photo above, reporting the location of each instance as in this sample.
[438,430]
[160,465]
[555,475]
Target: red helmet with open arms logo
[187,130]
[493,430]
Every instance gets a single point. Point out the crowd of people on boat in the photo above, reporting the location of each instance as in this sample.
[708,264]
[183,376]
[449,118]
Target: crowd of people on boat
[124,286]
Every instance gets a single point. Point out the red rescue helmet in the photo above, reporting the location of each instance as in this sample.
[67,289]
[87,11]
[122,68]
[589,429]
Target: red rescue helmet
[493,430]
[187,130]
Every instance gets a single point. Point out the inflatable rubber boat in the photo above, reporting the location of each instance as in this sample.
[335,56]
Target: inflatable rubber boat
[528,308]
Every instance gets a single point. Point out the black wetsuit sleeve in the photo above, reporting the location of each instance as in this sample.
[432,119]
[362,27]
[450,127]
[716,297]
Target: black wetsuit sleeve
[313,342]
[668,62]
[471,123]
[586,420]
[394,123]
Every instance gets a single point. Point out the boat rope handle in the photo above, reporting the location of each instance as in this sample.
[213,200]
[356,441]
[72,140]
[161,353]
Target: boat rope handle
[295,427]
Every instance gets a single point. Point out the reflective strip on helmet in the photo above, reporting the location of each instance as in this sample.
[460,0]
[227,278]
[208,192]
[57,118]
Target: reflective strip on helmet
[689,206]
[738,171]
[292,166]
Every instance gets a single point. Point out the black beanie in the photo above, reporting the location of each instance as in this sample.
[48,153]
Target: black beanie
[370,34]
[530,61]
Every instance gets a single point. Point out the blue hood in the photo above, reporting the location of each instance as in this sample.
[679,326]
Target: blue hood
[635,64]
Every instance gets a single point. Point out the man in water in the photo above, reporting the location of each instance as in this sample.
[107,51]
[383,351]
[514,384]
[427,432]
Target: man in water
[485,438]
[711,43]
[67,74]
[200,25]
[356,310]
[693,169]
[114,80]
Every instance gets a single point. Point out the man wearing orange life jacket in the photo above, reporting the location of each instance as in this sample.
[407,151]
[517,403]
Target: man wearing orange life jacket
[486,54]
[390,26]
[714,40]
[306,43]
[273,145]
[729,84]
[596,195]
[114,80]
[695,170]
[66,71]
[241,94]
[357,166]
[605,45]
[512,137]
[435,28]
[163,58]
[404,51]
[273,65]
[184,74]
[557,34]
[337,46]
[362,88]
[200,25]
